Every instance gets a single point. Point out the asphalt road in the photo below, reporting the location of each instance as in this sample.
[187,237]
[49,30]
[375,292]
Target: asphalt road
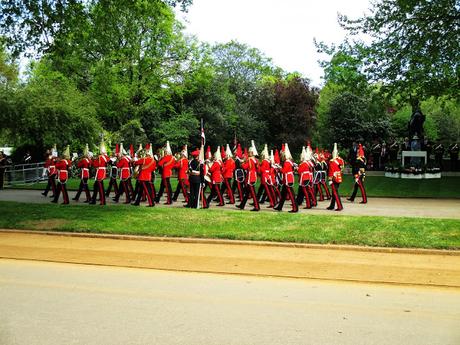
[51,303]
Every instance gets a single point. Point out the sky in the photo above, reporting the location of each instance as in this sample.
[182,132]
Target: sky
[282,29]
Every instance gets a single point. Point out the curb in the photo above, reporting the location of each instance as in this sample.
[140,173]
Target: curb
[415,251]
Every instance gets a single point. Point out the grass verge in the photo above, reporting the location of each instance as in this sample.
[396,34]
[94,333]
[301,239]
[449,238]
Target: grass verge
[235,225]
[376,186]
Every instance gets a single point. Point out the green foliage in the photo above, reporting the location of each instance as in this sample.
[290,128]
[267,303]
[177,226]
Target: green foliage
[442,120]
[49,110]
[131,133]
[177,130]
[353,118]
[415,50]
[288,106]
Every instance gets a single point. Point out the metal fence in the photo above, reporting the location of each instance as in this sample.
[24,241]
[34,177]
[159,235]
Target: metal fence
[24,173]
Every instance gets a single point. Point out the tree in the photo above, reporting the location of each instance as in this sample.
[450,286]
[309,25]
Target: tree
[353,118]
[415,47]
[37,27]
[288,106]
[49,110]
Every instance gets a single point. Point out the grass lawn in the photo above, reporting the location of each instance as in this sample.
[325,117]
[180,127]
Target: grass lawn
[376,186]
[264,226]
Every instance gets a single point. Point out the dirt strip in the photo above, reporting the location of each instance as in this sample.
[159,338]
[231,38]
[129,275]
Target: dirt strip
[297,262]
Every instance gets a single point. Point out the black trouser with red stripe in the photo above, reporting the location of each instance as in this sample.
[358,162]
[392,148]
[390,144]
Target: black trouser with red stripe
[146,188]
[266,191]
[215,192]
[51,185]
[285,191]
[303,192]
[227,186]
[335,199]
[238,186]
[83,187]
[125,187]
[98,189]
[165,186]
[113,182]
[181,186]
[359,184]
[326,190]
[61,187]
[249,191]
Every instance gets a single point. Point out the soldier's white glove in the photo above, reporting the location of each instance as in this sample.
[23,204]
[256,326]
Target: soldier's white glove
[330,182]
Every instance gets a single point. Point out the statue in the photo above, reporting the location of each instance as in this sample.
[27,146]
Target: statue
[416,122]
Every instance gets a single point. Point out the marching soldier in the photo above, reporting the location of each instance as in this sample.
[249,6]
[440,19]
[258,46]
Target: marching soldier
[318,175]
[227,171]
[100,163]
[166,164]
[136,170]
[266,183]
[147,164]
[305,171]
[251,167]
[50,166]
[216,179]
[196,179]
[335,179]
[324,157]
[288,181]
[277,176]
[63,167]
[84,164]
[238,182]
[113,172]
[182,167]
[359,173]
[126,187]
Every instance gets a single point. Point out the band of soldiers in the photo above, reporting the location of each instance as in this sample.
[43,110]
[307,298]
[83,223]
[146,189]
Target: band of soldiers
[223,177]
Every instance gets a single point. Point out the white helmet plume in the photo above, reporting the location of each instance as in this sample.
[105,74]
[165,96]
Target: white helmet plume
[287,152]
[228,152]
[335,152]
[264,154]
[168,148]
[217,155]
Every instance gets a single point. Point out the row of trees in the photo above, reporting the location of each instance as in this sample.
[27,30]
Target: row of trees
[125,70]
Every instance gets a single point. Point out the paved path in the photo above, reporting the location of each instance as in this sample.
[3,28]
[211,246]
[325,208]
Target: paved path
[397,207]
[49,303]
[436,268]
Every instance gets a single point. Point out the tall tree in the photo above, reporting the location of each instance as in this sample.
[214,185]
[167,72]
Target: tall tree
[415,46]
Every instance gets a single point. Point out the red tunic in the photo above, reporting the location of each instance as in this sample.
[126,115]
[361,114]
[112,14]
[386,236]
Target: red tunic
[229,168]
[51,166]
[100,164]
[167,164]
[148,164]
[335,170]
[63,166]
[251,165]
[182,168]
[265,172]
[84,165]
[216,172]
[305,173]
[124,166]
[288,172]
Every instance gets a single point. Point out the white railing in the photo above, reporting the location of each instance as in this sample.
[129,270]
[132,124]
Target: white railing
[24,173]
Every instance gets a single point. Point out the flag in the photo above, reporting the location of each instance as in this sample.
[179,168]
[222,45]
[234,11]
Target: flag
[203,137]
